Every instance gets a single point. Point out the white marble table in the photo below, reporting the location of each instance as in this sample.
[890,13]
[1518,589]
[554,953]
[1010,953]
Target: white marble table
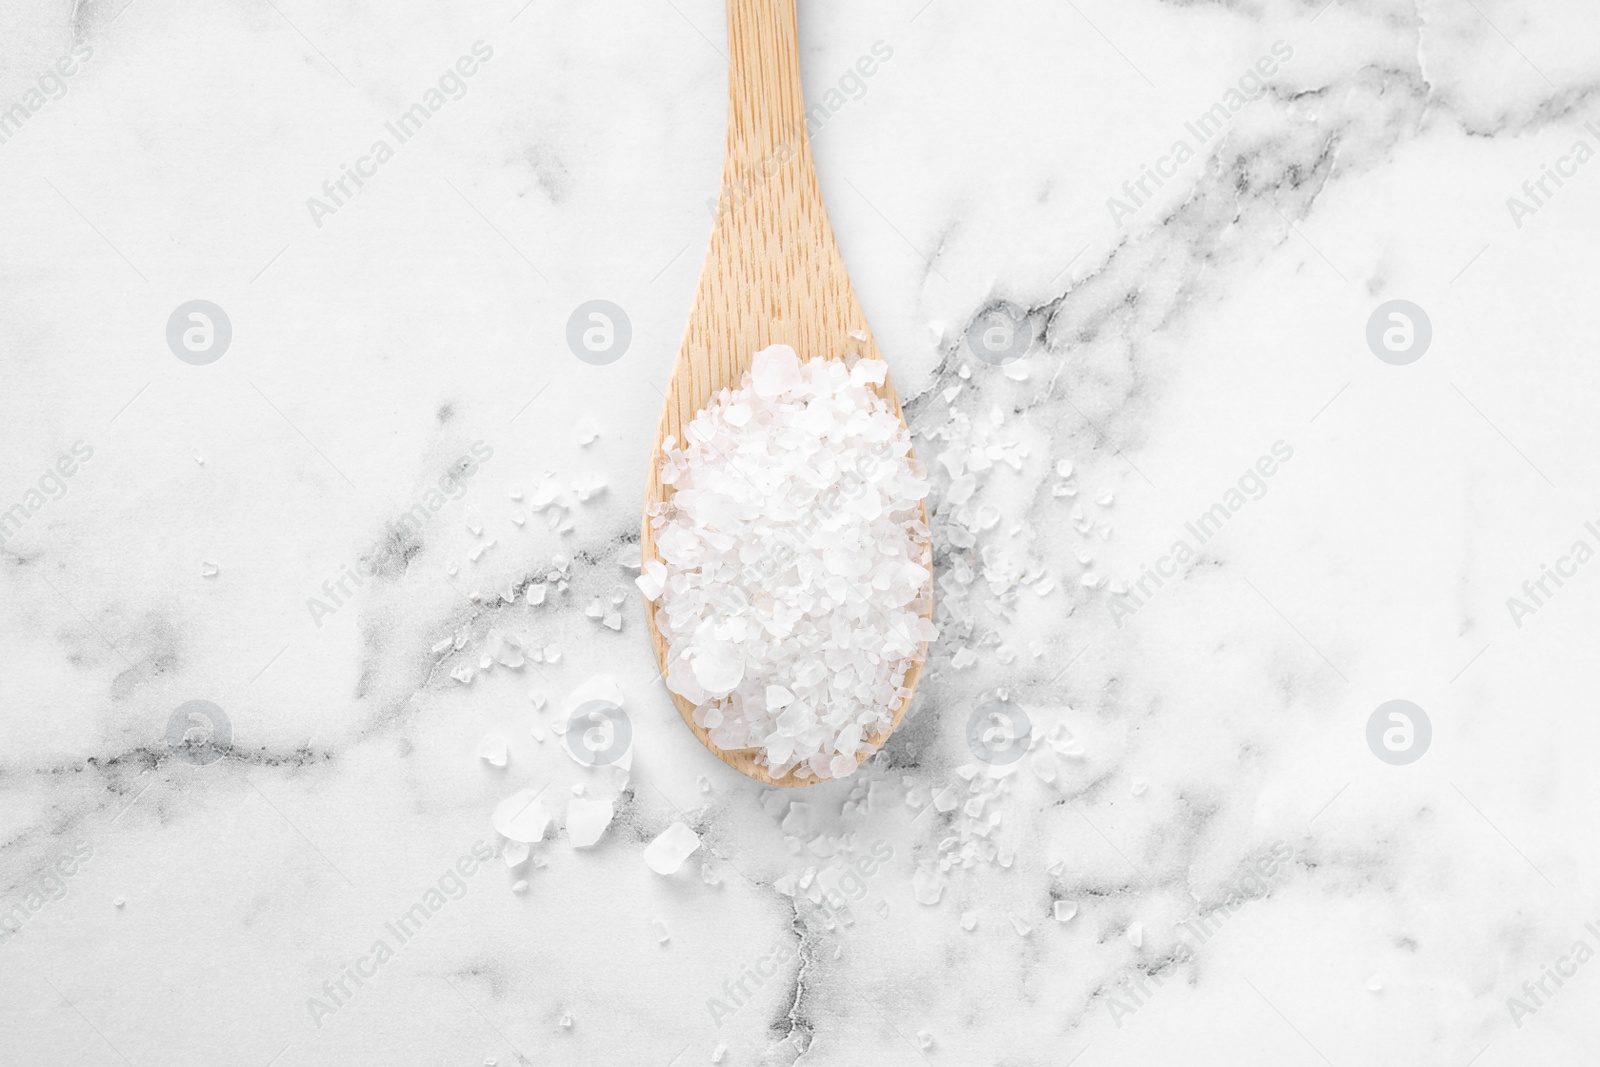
[1268,532]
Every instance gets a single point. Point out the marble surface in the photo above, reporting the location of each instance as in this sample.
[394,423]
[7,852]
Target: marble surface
[1248,882]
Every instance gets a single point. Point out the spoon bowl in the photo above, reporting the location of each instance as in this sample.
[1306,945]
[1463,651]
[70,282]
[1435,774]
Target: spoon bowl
[772,275]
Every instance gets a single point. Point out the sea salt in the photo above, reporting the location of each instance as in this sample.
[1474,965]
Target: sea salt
[521,817]
[666,853]
[795,565]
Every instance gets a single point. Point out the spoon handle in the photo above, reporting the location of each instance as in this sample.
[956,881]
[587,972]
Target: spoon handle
[766,110]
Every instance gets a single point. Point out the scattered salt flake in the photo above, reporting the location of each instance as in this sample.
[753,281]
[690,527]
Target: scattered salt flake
[612,621]
[585,486]
[552,653]
[505,649]
[964,657]
[463,674]
[927,886]
[209,569]
[718,1052]
[440,646]
[515,853]
[660,928]
[587,820]
[1063,468]
[1136,934]
[1044,767]
[667,852]
[1022,927]
[492,749]
[961,489]
[479,550]
[1104,499]
[566,1022]
[1065,910]
[521,817]
[119,902]
[536,593]
[1138,788]
[520,885]
[1375,984]
[584,432]
[969,919]
[1056,869]
[798,820]
[946,800]
[924,1039]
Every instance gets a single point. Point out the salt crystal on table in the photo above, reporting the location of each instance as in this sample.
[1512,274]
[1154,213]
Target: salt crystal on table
[505,649]
[660,928]
[927,886]
[961,489]
[798,820]
[667,852]
[716,1053]
[1375,984]
[463,674]
[1022,928]
[1136,934]
[521,817]
[969,919]
[1065,910]
[587,820]
[924,1039]
[1138,788]
[520,885]
[535,594]
[612,621]
[515,853]
[492,749]
[1056,869]
[1064,468]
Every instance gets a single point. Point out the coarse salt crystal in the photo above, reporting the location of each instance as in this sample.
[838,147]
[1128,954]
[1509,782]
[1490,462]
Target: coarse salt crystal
[492,749]
[667,852]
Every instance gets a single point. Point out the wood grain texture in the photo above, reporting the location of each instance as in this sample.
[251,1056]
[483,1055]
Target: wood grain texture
[772,275]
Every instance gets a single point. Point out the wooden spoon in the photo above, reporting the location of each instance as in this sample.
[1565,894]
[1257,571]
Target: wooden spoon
[772,276]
